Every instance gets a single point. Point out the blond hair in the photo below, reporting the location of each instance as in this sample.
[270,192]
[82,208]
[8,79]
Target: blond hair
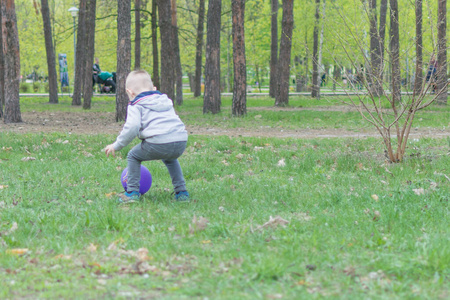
[139,81]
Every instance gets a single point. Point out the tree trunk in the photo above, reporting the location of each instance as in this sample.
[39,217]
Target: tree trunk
[315,83]
[284,61]
[123,57]
[167,53]
[199,49]
[239,106]
[273,50]
[80,61]
[211,99]
[137,34]
[376,63]
[88,89]
[382,34]
[319,60]
[442,82]
[2,67]
[395,51]
[11,60]
[51,60]
[156,81]
[176,58]
[419,45]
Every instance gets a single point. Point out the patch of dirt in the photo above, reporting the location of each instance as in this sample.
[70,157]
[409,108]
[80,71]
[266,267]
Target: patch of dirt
[104,123]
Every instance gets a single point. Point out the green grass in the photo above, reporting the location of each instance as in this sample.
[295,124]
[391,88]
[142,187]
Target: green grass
[341,240]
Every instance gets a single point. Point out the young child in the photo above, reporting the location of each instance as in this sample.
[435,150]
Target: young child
[150,117]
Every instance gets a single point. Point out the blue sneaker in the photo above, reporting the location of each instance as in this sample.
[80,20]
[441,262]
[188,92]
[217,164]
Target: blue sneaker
[126,197]
[182,196]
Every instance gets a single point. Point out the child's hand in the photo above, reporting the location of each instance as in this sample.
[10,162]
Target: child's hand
[110,150]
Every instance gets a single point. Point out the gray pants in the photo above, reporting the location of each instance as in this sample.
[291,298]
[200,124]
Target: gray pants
[168,153]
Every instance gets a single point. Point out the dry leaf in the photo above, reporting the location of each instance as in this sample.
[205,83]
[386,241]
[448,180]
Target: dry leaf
[62,256]
[273,223]
[87,154]
[221,208]
[142,254]
[240,156]
[3,187]
[375,197]
[198,224]
[28,158]
[109,195]
[376,215]
[18,251]
[206,242]
[419,192]
[92,248]
[281,163]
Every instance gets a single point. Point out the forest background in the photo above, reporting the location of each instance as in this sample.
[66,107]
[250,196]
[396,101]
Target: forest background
[257,36]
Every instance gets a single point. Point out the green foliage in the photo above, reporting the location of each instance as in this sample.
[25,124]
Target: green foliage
[24,87]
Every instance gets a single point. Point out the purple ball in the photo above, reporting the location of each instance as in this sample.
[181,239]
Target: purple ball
[144,184]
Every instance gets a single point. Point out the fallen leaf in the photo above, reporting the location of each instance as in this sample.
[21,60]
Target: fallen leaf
[376,215]
[17,251]
[221,208]
[240,156]
[281,163]
[198,224]
[109,195]
[28,158]
[92,248]
[419,191]
[62,256]
[273,223]
[3,187]
[142,254]
[206,242]
[375,197]
[311,267]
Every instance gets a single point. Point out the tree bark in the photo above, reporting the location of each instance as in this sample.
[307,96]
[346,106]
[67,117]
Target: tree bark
[442,81]
[395,51]
[137,34]
[2,67]
[176,51]
[419,45]
[88,89]
[315,83]
[51,60]
[167,53]
[239,106]
[273,49]
[11,60]
[156,81]
[319,60]
[199,49]
[123,57]
[211,99]
[284,60]
[80,61]
[376,63]
[382,34]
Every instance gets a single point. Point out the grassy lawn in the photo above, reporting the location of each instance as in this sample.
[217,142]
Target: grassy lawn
[270,218]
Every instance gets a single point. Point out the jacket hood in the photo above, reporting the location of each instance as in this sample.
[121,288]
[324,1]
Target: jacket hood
[154,100]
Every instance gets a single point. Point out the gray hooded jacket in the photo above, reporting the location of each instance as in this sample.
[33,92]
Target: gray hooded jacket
[151,117]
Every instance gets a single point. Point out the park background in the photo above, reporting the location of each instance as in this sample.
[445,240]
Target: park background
[293,202]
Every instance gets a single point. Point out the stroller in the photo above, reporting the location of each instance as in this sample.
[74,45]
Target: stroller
[105,81]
